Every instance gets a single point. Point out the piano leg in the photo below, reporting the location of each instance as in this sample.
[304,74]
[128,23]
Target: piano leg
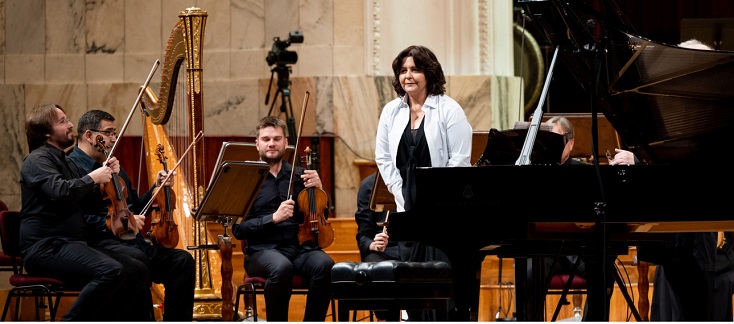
[529,290]
[466,270]
[600,286]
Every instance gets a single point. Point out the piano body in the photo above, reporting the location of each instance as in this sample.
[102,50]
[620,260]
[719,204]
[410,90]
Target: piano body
[673,107]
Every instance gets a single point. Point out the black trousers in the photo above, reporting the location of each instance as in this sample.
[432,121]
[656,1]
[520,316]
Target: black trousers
[135,299]
[278,266]
[176,270]
[100,277]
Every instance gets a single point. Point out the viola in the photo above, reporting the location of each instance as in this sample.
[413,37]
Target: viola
[119,219]
[314,203]
[164,231]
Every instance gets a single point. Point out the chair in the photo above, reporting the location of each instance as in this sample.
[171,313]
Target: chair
[565,284]
[391,286]
[25,285]
[253,286]
[6,262]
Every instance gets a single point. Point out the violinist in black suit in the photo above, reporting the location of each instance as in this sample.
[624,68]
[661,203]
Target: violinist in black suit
[174,268]
[271,227]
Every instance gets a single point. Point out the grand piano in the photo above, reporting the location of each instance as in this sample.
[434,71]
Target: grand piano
[672,106]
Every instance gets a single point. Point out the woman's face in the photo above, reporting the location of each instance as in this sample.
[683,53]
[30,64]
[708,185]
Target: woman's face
[412,80]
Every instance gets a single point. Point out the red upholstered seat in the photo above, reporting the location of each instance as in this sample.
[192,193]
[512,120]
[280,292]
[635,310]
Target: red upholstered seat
[560,280]
[557,286]
[25,285]
[298,282]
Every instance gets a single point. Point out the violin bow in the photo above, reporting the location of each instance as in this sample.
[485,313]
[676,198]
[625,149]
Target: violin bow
[170,172]
[385,223]
[130,115]
[298,138]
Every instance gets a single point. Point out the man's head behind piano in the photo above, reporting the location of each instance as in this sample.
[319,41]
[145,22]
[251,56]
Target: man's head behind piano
[563,126]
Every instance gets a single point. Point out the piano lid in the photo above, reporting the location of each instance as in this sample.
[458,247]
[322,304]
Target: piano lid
[674,104]
[670,105]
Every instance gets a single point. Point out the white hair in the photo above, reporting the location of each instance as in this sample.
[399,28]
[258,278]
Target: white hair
[695,44]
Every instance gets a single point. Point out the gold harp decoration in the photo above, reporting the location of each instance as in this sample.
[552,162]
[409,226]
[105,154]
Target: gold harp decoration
[184,49]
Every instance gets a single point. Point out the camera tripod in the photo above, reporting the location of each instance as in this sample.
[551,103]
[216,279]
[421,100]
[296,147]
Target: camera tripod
[285,99]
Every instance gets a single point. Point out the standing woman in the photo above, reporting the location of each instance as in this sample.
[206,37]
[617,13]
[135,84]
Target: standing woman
[424,127]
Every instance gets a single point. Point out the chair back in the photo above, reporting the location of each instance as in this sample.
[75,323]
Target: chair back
[10,237]
[3,206]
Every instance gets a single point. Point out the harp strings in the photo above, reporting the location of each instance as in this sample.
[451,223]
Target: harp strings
[178,130]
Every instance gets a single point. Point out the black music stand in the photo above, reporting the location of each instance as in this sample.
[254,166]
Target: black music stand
[504,147]
[230,195]
[244,151]
[233,179]
[381,199]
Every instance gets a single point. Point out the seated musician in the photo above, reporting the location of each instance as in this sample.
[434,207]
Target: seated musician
[564,264]
[174,268]
[372,241]
[52,238]
[686,272]
[425,128]
[271,228]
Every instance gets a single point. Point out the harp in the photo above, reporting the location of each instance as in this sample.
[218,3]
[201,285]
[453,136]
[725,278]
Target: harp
[172,120]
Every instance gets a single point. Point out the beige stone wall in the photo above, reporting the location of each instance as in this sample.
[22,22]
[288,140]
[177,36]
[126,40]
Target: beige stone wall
[85,54]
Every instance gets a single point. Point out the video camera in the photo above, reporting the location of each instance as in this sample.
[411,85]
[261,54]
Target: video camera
[279,55]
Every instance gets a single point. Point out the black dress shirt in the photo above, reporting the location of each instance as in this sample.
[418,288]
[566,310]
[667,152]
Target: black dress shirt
[94,205]
[258,229]
[51,190]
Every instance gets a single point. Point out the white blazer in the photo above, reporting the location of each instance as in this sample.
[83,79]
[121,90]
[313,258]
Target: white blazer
[447,131]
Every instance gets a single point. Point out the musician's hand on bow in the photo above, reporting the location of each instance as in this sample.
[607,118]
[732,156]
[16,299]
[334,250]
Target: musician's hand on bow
[102,174]
[622,157]
[162,176]
[311,179]
[380,242]
[285,211]
[140,222]
[114,164]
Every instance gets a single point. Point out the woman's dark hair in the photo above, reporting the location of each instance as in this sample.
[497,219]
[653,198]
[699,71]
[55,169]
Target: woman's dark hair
[39,122]
[425,61]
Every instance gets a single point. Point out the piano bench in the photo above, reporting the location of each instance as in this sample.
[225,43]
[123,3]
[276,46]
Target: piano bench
[390,286]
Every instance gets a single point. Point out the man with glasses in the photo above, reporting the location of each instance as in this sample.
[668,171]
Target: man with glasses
[52,237]
[108,133]
[174,268]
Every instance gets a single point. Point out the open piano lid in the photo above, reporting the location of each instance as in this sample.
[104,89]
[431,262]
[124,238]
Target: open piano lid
[670,105]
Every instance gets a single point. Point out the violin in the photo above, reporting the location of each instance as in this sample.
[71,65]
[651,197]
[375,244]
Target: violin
[119,219]
[314,203]
[164,231]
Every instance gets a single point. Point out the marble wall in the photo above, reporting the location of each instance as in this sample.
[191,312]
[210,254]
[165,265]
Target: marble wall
[86,54]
